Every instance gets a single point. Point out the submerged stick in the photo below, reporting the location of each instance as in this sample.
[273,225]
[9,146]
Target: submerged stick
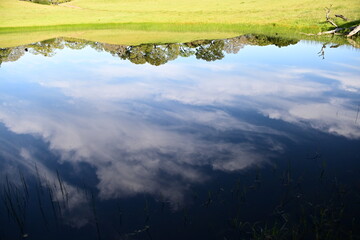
[95,215]
[23,181]
[11,207]
[38,193]
[50,191]
[38,178]
[353,43]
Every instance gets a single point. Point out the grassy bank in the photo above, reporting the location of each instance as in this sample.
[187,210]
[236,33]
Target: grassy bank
[143,21]
[142,33]
[135,33]
[303,14]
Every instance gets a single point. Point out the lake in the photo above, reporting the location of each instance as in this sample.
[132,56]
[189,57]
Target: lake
[251,137]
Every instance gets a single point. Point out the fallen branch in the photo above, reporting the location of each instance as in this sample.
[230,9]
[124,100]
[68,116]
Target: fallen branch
[354,31]
[349,32]
[341,16]
[328,19]
[334,31]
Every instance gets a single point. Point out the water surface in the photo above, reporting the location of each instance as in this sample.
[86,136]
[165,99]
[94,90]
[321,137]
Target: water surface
[213,139]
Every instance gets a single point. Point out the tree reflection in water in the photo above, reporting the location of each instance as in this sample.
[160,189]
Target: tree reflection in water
[154,54]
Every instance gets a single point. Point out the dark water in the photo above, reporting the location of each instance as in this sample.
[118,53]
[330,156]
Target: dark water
[244,138]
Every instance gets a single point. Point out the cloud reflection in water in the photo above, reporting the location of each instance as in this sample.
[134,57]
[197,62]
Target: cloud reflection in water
[151,129]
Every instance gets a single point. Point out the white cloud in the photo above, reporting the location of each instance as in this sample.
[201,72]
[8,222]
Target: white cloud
[140,125]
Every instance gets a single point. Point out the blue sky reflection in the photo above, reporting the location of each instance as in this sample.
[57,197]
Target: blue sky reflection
[140,124]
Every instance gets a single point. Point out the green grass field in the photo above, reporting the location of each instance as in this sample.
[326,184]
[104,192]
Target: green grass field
[22,21]
[299,13]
